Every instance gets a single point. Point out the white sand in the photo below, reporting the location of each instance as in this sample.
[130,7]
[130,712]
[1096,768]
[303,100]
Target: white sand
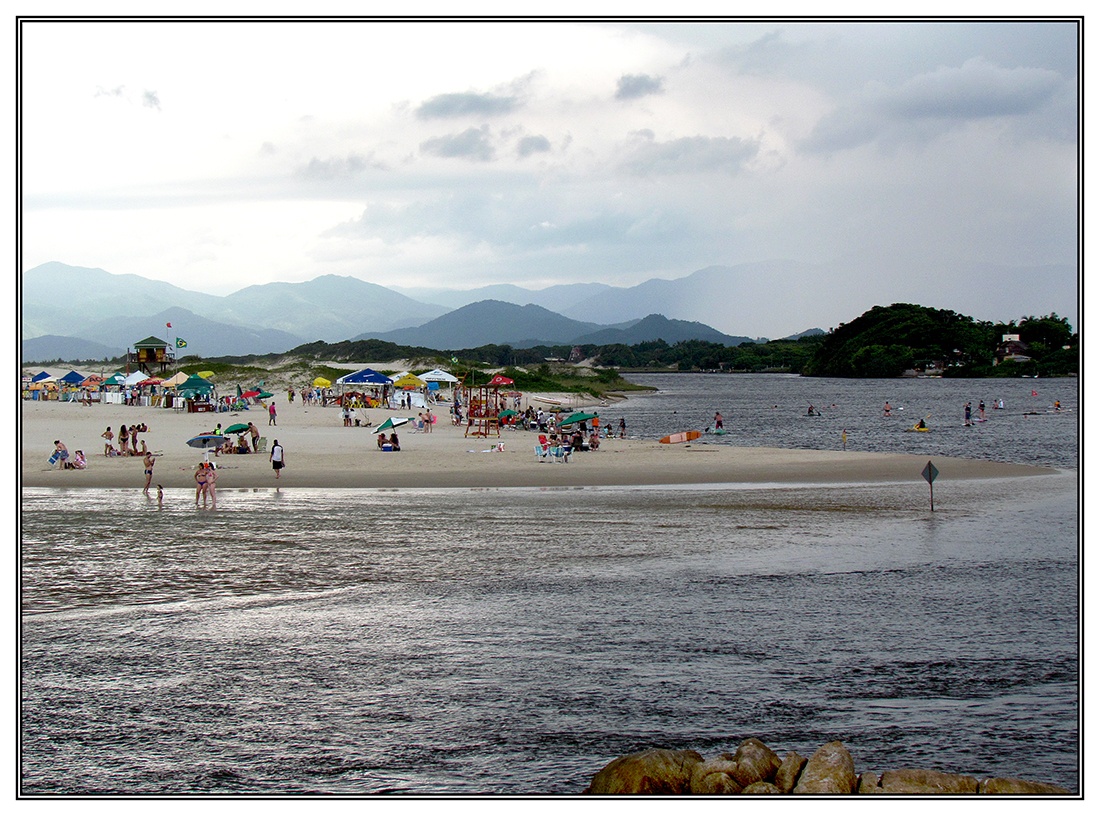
[321,452]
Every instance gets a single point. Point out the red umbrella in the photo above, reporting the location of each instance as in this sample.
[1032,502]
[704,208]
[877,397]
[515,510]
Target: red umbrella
[250,394]
[499,380]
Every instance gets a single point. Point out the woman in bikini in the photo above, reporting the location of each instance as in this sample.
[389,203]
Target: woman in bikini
[124,441]
[149,462]
[200,484]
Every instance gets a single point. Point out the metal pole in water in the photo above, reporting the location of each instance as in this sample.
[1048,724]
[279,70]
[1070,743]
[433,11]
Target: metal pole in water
[930,473]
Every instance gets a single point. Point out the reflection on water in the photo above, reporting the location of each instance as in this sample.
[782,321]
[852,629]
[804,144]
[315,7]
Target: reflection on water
[514,641]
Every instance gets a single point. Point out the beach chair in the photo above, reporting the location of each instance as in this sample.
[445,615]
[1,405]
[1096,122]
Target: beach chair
[542,452]
[261,445]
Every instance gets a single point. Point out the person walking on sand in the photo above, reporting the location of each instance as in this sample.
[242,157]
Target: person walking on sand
[149,461]
[271,413]
[277,458]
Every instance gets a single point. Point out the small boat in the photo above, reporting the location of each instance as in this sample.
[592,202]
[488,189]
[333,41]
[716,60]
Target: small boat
[683,436]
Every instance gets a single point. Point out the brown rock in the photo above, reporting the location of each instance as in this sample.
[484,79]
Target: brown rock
[829,770]
[1000,785]
[761,789]
[789,770]
[916,780]
[756,762]
[868,783]
[656,771]
[715,777]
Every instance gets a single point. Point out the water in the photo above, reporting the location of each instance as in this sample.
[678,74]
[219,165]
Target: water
[459,642]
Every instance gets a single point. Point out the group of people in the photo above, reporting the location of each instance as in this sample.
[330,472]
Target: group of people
[61,452]
[127,441]
[392,440]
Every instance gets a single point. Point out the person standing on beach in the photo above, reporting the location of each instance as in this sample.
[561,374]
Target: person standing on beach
[200,483]
[254,432]
[108,436]
[271,413]
[622,427]
[211,486]
[124,440]
[149,461]
[277,458]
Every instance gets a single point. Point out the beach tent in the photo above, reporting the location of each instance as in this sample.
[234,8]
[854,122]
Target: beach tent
[72,378]
[92,381]
[41,376]
[179,379]
[195,386]
[116,379]
[438,375]
[135,378]
[367,376]
[321,382]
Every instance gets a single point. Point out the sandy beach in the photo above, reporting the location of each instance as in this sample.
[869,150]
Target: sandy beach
[321,452]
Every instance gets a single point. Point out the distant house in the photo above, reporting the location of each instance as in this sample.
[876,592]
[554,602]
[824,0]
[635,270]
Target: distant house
[1011,348]
[150,353]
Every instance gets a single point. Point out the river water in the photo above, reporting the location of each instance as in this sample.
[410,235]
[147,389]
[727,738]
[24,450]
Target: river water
[513,641]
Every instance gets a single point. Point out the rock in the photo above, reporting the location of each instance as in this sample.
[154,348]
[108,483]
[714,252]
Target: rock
[756,762]
[715,776]
[656,771]
[761,789]
[998,785]
[916,780]
[868,783]
[829,770]
[789,770]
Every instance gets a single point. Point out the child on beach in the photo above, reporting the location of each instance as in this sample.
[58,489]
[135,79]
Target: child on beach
[79,462]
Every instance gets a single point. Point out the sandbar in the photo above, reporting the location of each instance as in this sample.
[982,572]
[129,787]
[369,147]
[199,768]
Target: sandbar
[322,453]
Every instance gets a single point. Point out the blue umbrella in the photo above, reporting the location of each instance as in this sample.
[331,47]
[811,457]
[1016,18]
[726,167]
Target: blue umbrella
[203,441]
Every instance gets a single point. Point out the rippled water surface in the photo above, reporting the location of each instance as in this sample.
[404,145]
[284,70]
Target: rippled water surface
[515,641]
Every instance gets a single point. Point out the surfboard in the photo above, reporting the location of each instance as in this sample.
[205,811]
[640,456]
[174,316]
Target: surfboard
[683,436]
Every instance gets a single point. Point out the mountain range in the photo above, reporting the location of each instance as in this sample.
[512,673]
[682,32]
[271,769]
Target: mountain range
[71,312]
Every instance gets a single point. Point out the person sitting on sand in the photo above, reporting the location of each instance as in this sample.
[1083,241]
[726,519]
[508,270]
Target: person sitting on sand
[381,440]
[79,462]
[394,442]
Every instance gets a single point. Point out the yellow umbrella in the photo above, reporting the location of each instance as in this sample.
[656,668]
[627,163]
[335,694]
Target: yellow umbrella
[409,381]
[206,375]
[321,382]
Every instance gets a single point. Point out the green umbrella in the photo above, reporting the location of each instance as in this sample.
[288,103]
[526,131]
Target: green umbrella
[580,416]
[239,427]
[265,395]
[507,412]
[392,423]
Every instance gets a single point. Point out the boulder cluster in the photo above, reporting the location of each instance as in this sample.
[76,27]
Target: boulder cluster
[755,769]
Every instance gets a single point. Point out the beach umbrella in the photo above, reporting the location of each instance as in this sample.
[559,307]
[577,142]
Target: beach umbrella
[392,422]
[206,375]
[580,416]
[238,427]
[409,381]
[507,412]
[265,395]
[250,394]
[499,380]
[321,382]
[203,441]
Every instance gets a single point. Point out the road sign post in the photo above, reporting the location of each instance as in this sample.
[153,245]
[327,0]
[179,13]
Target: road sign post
[930,473]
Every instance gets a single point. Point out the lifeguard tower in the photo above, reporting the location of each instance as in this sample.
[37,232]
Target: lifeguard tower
[483,406]
[150,353]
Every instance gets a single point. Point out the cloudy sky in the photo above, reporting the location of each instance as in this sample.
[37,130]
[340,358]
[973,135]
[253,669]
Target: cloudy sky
[907,157]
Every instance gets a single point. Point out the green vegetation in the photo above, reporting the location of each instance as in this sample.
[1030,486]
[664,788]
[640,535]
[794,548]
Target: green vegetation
[889,340]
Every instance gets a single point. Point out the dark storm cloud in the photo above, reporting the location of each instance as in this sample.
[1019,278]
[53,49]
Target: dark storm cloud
[447,106]
[529,145]
[692,154]
[472,143]
[926,104]
[633,86]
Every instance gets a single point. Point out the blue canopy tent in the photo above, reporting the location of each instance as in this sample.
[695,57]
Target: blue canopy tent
[72,378]
[368,376]
[40,376]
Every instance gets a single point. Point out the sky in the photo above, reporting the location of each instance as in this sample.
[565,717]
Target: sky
[909,158]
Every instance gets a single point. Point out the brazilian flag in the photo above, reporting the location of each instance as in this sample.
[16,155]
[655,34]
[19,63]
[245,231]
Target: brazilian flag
[181,343]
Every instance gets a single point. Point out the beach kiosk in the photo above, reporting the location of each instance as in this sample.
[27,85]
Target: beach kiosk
[150,353]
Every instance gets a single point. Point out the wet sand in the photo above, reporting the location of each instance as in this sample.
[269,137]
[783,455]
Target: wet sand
[322,453]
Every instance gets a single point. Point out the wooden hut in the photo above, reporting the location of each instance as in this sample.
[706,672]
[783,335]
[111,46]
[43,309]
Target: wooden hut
[150,353]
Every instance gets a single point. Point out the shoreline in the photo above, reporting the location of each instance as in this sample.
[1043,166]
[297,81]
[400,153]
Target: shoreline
[322,453]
